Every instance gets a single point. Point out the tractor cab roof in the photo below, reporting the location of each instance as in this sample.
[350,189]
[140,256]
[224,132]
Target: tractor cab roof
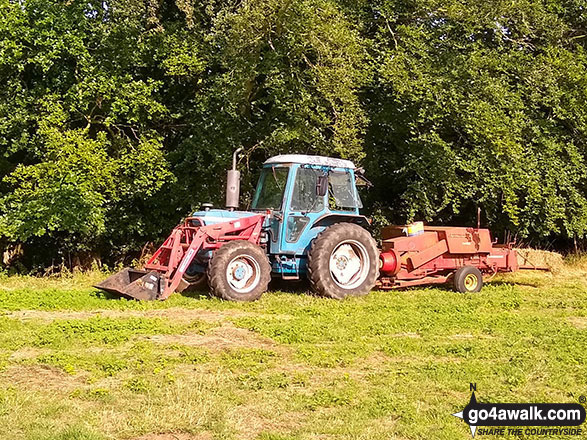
[311,160]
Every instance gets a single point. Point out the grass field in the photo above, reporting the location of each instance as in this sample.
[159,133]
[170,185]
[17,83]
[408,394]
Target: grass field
[76,364]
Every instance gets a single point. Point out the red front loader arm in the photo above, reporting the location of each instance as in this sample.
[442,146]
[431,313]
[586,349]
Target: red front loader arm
[166,268]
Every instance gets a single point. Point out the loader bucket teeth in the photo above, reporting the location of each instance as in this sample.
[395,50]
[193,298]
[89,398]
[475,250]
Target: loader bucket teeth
[136,284]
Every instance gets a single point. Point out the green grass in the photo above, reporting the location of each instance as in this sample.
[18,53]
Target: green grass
[77,364]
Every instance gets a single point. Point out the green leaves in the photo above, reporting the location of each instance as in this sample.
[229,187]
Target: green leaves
[293,71]
[75,182]
[497,88]
[116,118]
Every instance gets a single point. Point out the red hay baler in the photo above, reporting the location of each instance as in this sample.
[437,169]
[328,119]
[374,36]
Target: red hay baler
[438,255]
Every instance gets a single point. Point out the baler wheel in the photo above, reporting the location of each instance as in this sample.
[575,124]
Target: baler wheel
[468,279]
[239,271]
[343,261]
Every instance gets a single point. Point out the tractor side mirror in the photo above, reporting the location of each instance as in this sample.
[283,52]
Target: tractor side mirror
[321,185]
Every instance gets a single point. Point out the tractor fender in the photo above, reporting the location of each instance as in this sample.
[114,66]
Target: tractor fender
[330,219]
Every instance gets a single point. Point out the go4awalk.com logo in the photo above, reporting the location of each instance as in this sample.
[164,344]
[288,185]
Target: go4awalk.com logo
[543,419]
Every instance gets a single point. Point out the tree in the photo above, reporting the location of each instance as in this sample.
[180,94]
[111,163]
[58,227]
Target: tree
[118,117]
[480,104]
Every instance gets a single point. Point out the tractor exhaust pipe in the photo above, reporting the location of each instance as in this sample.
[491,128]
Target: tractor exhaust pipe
[233,184]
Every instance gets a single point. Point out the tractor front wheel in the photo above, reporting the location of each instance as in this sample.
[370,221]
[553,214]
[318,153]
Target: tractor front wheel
[239,271]
[468,279]
[343,261]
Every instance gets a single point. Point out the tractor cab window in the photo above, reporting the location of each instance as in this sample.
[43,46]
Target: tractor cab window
[269,194]
[341,192]
[304,197]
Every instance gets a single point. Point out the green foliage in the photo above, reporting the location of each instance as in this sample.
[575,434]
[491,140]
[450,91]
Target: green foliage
[100,330]
[116,118]
[482,104]
[248,358]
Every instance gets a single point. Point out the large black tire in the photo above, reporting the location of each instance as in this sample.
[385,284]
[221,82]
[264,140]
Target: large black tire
[239,271]
[468,279]
[337,241]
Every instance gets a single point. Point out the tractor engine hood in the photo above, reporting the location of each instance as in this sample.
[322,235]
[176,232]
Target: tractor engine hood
[214,216]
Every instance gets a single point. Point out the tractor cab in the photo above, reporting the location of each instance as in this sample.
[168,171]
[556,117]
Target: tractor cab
[304,195]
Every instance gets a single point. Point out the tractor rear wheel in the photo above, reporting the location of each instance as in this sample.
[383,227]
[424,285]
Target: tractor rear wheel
[343,261]
[239,271]
[468,279]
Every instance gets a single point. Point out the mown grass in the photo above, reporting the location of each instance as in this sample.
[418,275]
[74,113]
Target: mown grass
[78,364]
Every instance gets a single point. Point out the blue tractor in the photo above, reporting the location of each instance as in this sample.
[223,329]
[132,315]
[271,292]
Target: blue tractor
[304,221]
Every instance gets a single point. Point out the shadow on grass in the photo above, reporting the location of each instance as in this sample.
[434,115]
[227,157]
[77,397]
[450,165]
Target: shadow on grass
[196,294]
[102,294]
[300,287]
[502,283]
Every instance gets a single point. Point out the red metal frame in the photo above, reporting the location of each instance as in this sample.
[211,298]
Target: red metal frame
[178,251]
[433,256]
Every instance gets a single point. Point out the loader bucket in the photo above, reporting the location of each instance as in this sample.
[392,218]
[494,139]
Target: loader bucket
[134,283]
